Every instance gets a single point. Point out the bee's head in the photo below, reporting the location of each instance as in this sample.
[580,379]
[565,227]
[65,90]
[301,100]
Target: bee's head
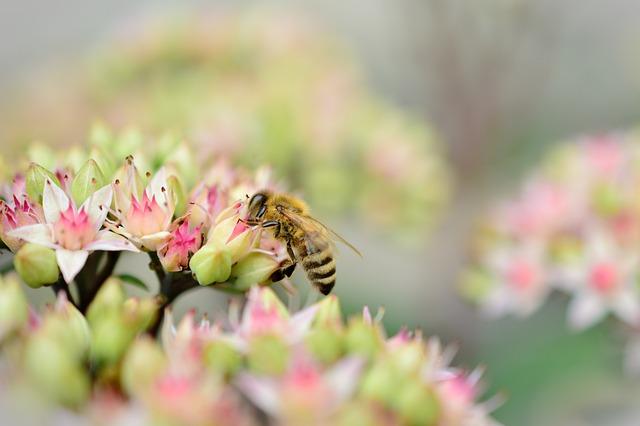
[257,206]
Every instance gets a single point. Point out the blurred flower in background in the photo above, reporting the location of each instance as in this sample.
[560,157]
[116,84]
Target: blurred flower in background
[259,88]
[573,229]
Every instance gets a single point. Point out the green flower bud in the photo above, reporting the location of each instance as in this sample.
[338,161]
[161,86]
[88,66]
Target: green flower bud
[109,300]
[255,268]
[105,162]
[219,236]
[68,326]
[111,336]
[35,178]
[88,179]
[325,344]
[140,313]
[329,313]
[54,372]
[268,354]
[142,365]
[14,309]
[358,413]
[417,404]
[222,358]
[211,264]
[380,384]
[36,265]
[475,284]
[362,338]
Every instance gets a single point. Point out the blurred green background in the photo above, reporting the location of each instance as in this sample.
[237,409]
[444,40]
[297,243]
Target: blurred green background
[499,81]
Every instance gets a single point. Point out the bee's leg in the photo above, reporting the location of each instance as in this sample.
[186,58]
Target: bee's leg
[271,224]
[288,271]
[285,270]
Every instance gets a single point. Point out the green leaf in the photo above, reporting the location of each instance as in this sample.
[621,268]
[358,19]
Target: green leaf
[134,281]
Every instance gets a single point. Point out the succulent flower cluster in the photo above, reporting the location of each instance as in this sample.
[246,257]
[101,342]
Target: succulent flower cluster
[574,228]
[259,365]
[258,88]
[92,357]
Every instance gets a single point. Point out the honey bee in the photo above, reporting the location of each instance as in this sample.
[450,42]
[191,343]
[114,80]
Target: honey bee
[308,241]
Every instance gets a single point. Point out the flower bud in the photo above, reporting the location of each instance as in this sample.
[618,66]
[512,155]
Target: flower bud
[35,178]
[14,309]
[362,338]
[55,373]
[140,313]
[109,299]
[104,161]
[235,236]
[179,194]
[222,358]
[476,284]
[88,179]
[380,383]
[111,336]
[326,344]
[329,313]
[255,268]
[417,404]
[142,365]
[268,354]
[67,325]
[211,264]
[36,265]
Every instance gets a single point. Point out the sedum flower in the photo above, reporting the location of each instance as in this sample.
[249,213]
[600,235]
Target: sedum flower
[20,212]
[183,242]
[144,214]
[73,231]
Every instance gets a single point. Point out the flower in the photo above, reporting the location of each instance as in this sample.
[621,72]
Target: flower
[143,214]
[73,231]
[184,240]
[23,212]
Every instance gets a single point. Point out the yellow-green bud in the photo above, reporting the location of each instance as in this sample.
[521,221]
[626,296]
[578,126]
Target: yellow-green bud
[211,264]
[222,358]
[362,338]
[255,268]
[325,344]
[14,309]
[87,181]
[380,384]
[142,365]
[69,327]
[268,354]
[35,178]
[140,313]
[104,161]
[219,237]
[109,300]
[111,336]
[55,372]
[36,265]
[417,404]
[329,313]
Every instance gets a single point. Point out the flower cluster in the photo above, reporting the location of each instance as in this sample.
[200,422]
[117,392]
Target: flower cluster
[261,362]
[257,88]
[573,228]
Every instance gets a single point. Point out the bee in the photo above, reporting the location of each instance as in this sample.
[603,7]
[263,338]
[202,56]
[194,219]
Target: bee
[308,241]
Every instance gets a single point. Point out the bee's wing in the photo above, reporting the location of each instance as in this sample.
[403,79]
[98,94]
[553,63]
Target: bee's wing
[315,227]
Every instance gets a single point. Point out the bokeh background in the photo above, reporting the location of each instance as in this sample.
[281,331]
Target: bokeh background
[499,81]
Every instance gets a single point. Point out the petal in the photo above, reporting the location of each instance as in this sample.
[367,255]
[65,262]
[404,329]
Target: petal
[156,185]
[343,379]
[97,205]
[627,306]
[301,322]
[110,241]
[154,241]
[54,201]
[38,234]
[262,392]
[71,262]
[585,310]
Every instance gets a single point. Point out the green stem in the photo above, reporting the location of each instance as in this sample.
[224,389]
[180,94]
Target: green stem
[99,279]
[61,285]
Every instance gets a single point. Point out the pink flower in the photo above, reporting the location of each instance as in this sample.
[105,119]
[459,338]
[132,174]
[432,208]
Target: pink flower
[15,215]
[144,215]
[183,242]
[73,231]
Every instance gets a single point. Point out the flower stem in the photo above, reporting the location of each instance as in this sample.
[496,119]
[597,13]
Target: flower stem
[61,285]
[92,288]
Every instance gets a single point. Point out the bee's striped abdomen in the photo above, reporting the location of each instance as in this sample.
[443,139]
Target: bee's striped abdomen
[321,269]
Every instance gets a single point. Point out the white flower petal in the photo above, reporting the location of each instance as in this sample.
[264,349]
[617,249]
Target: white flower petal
[71,262]
[54,201]
[262,392]
[97,205]
[343,379]
[154,241]
[158,182]
[110,241]
[301,322]
[626,306]
[585,310]
[38,234]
